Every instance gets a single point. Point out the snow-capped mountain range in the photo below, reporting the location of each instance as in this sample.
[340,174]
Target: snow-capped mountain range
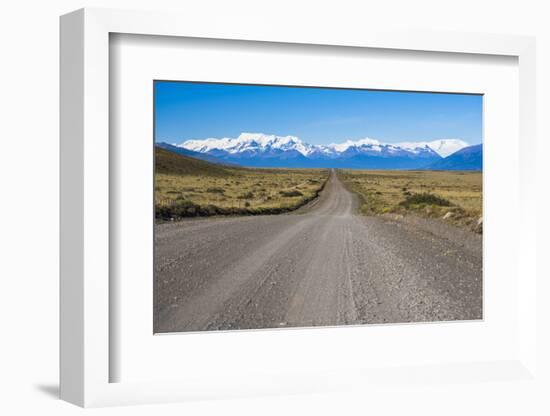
[267,150]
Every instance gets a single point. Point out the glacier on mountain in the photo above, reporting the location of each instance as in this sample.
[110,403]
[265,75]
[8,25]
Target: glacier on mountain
[269,150]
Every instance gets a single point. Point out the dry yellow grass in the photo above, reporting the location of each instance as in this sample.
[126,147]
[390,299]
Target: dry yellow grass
[243,188]
[186,187]
[415,191]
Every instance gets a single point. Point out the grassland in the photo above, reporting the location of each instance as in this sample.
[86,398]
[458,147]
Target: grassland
[452,196]
[188,187]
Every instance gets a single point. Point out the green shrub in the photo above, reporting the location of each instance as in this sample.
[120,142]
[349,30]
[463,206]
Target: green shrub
[291,193]
[425,199]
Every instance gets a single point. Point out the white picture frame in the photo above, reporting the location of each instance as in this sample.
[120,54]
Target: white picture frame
[85,220]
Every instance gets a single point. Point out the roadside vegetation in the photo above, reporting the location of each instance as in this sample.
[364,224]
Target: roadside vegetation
[452,196]
[188,187]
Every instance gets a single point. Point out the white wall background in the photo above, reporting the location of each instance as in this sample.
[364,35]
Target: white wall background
[29,205]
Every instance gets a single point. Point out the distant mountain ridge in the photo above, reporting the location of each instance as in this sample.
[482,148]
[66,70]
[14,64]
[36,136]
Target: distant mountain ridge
[264,150]
[468,158]
[190,153]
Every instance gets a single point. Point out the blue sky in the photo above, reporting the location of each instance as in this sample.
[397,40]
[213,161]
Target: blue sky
[316,115]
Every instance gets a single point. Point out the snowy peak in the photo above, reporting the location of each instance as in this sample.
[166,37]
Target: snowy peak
[443,147]
[251,142]
[206,145]
[261,143]
[342,147]
[373,146]
[269,150]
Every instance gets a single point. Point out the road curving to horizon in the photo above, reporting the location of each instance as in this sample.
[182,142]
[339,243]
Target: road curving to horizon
[322,265]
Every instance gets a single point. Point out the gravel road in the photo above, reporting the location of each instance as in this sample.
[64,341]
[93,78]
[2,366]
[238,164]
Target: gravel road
[322,265]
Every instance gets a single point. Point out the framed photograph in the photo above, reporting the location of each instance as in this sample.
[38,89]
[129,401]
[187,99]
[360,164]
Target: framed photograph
[275,213]
[283,242]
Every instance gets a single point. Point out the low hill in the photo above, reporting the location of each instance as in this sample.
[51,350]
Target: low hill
[191,153]
[168,162]
[469,158]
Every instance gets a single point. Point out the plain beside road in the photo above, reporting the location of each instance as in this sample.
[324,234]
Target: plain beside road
[323,265]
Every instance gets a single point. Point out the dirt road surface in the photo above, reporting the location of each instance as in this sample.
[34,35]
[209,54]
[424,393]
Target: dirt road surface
[322,265]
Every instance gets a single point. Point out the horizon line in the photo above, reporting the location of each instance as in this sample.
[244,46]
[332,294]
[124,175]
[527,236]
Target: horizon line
[312,142]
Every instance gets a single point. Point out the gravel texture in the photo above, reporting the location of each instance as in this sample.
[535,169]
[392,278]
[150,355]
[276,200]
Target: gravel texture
[323,265]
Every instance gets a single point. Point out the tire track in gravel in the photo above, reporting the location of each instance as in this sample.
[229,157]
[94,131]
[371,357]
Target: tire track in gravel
[323,265]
